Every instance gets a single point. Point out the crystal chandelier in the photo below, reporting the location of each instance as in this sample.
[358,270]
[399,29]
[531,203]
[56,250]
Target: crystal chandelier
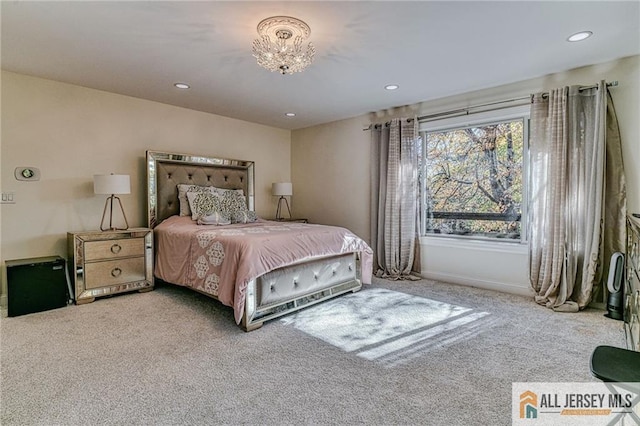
[279,47]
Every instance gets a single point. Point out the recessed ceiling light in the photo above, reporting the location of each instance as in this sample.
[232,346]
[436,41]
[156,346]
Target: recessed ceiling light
[580,36]
[182,85]
[391,86]
[290,114]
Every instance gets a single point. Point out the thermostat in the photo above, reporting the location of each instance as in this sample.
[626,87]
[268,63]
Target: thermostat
[27,173]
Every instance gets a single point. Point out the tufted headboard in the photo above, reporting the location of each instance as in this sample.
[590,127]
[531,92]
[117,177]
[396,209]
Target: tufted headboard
[166,170]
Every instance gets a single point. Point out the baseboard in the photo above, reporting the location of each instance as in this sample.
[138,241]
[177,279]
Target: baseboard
[473,282]
[3,306]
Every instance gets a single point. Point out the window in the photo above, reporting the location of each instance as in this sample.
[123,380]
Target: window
[473,177]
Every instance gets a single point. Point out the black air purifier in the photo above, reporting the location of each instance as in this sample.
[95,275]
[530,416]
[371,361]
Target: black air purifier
[36,284]
[615,301]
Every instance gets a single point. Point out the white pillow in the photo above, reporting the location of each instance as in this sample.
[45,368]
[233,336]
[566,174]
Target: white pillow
[215,218]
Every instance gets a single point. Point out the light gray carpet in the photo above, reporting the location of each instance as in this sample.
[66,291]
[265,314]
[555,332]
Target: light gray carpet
[404,353]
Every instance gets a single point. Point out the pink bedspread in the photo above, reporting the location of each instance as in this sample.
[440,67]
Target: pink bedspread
[221,260]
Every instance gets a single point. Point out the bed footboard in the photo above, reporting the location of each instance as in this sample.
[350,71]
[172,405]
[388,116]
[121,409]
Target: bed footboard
[294,287]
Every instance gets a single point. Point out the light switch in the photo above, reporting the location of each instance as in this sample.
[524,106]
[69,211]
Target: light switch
[8,198]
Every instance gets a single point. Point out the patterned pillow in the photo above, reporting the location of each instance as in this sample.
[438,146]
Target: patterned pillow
[183,189]
[207,205]
[234,205]
[243,216]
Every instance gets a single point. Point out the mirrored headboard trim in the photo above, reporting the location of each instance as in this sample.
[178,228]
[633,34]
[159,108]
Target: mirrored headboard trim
[166,170]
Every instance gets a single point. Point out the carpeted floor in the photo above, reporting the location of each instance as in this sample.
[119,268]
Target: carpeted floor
[407,353]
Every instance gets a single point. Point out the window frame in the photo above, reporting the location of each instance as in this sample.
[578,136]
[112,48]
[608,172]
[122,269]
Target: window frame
[486,117]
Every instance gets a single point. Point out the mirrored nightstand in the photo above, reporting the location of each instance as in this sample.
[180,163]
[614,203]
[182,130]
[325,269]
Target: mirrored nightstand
[102,263]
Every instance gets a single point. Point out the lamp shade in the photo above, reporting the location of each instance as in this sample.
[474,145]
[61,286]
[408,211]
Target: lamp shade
[282,188]
[111,184]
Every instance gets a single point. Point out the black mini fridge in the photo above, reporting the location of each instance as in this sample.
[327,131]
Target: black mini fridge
[36,284]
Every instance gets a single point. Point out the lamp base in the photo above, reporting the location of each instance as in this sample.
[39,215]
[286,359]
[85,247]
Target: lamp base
[109,203]
[282,198]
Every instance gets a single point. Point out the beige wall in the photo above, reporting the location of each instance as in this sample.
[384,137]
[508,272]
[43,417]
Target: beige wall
[71,133]
[330,171]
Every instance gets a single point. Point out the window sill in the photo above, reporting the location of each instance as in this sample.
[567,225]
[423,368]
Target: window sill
[502,246]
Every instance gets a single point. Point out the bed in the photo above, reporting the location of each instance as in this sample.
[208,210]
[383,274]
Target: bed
[262,269]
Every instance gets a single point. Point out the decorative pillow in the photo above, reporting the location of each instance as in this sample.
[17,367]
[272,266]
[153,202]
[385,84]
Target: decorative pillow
[243,216]
[206,204]
[183,189]
[234,205]
[215,218]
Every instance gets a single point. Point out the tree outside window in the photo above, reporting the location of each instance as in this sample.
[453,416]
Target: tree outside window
[474,180]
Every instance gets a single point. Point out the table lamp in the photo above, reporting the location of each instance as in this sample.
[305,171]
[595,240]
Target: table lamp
[282,189]
[112,184]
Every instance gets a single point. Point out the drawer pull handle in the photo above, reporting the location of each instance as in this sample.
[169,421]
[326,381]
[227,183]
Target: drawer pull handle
[115,272]
[115,249]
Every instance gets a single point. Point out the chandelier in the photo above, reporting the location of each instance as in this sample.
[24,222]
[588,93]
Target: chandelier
[279,47]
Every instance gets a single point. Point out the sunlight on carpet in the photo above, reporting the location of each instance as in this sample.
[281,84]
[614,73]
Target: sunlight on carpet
[388,326]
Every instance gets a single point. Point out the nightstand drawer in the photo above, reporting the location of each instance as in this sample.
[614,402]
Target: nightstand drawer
[111,249]
[114,272]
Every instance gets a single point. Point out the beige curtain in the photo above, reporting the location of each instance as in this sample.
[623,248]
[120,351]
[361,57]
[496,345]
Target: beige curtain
[394,197]
[577,205]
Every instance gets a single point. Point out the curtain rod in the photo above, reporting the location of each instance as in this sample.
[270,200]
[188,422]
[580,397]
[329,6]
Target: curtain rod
[465,110]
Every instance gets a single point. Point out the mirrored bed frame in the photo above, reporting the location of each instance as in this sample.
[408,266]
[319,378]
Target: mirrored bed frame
[338,274]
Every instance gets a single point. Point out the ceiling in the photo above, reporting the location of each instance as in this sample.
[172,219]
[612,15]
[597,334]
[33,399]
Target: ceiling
[431,49]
